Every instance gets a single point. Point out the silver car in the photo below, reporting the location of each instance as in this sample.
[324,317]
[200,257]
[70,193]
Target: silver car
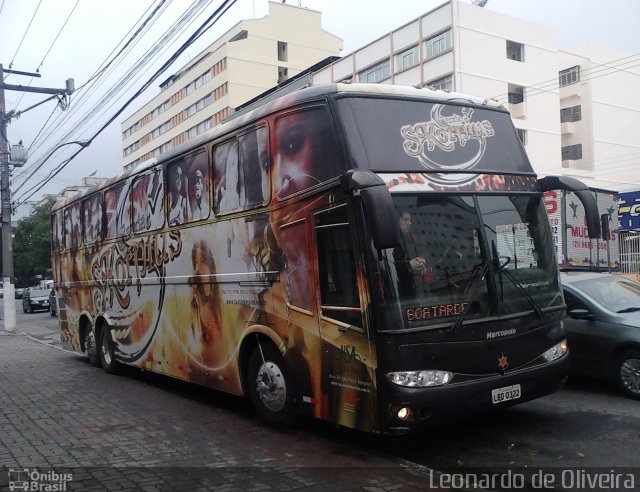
[603,328]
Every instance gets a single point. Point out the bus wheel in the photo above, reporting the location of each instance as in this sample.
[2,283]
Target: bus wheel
[627,374]
[270,387]
[92,349]
[105,349]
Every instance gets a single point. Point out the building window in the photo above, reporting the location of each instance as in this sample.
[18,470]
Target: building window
[160,109]
[131,148]
[375,74]
[165,127]
[200,105]
[572,152]
[573,113]
[569,76]
[198,129]
[407,59]
[516,94]
[199,82]
[283,74]
[522,135]
[441,84]
[515,51]
[131,130]
[438,44]
[282,51]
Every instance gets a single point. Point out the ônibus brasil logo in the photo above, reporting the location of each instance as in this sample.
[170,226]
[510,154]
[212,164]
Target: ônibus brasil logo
[453,142]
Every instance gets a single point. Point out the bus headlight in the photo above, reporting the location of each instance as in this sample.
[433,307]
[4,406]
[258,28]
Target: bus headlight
[556,351]
[420,379]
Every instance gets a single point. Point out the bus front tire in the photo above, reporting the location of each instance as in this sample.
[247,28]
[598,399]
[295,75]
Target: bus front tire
[105,350]
[270,387]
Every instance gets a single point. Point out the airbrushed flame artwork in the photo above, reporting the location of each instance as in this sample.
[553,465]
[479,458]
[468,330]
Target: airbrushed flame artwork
[341,252]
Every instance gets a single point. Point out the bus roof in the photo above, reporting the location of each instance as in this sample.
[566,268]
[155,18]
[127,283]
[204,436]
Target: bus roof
[292,99]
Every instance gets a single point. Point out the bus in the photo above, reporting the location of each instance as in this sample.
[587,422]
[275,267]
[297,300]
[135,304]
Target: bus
[375,256]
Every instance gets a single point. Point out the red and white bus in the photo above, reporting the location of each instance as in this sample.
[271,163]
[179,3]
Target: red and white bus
[375,256]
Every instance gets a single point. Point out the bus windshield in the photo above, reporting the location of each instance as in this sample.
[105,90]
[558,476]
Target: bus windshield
[474,256]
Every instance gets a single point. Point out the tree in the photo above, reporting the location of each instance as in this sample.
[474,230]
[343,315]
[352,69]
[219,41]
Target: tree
[32,247]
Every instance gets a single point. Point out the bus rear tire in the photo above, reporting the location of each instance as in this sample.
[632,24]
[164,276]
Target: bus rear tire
[270,387]
[92,347]
[105,350]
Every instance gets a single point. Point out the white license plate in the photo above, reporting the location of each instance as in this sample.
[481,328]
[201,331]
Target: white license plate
[507,393]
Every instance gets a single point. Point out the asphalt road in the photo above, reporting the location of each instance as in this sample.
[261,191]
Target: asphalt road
[588,424]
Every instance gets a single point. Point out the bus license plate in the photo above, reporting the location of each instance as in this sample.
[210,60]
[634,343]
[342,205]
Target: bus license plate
[507,393]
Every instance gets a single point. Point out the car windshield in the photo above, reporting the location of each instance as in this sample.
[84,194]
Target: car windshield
[39,293]
[454,247]
[612,292]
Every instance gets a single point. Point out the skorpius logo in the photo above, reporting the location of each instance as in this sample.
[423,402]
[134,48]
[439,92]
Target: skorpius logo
[450,142]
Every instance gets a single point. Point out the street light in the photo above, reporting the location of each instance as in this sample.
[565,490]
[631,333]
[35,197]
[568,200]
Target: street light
[9,307]
[81,143]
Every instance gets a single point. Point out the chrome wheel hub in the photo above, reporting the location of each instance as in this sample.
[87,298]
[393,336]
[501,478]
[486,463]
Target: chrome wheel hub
[272,388]
[630,375]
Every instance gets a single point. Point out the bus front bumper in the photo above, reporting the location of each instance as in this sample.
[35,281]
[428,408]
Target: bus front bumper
[422,408]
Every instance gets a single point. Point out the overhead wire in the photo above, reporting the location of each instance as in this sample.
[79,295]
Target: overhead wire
[57,36]
[100,70]
[25,34]
[91,114]
[585,74]
[204,27]
[38,164]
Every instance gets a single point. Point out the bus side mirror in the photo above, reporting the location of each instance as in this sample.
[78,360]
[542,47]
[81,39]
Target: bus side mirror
[383,217]
[381,213]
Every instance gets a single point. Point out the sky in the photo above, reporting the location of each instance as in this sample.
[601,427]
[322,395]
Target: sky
[72,38]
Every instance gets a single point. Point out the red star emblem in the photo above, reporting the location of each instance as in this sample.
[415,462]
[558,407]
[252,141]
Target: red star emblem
[503,363]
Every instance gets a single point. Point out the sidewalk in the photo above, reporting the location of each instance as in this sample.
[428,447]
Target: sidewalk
[142,432]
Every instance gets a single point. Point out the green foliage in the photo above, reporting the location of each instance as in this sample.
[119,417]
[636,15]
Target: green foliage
[32,247]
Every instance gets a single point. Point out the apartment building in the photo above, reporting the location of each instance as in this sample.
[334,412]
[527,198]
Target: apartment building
[250,58]
[573,110]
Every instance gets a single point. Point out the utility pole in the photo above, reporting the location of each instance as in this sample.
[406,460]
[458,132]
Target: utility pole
[5,183]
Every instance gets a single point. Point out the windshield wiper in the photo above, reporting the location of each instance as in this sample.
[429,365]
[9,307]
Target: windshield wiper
[629,310]
[471,291]
[521,289]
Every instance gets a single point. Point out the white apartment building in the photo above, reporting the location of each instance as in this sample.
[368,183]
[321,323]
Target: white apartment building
[573,115]
[250,58]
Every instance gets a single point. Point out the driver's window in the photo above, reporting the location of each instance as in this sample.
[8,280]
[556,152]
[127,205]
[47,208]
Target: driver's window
[336,264]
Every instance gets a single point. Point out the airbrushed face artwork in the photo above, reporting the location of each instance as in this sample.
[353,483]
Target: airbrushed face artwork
[180,292]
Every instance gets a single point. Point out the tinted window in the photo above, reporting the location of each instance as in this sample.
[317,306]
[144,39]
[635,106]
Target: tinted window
[306,153]
[147,202]
[92,218]
[117,212]
[400,135]
[241,172]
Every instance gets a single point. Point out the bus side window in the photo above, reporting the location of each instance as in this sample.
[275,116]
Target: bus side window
[306,153]
[92,218]
[117,211]
[297,269]
[225,176]
[188,189]
[72,226]
[178,212]
[336,261]
[56,227]
[254,164]
[198,185]
[147,200]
